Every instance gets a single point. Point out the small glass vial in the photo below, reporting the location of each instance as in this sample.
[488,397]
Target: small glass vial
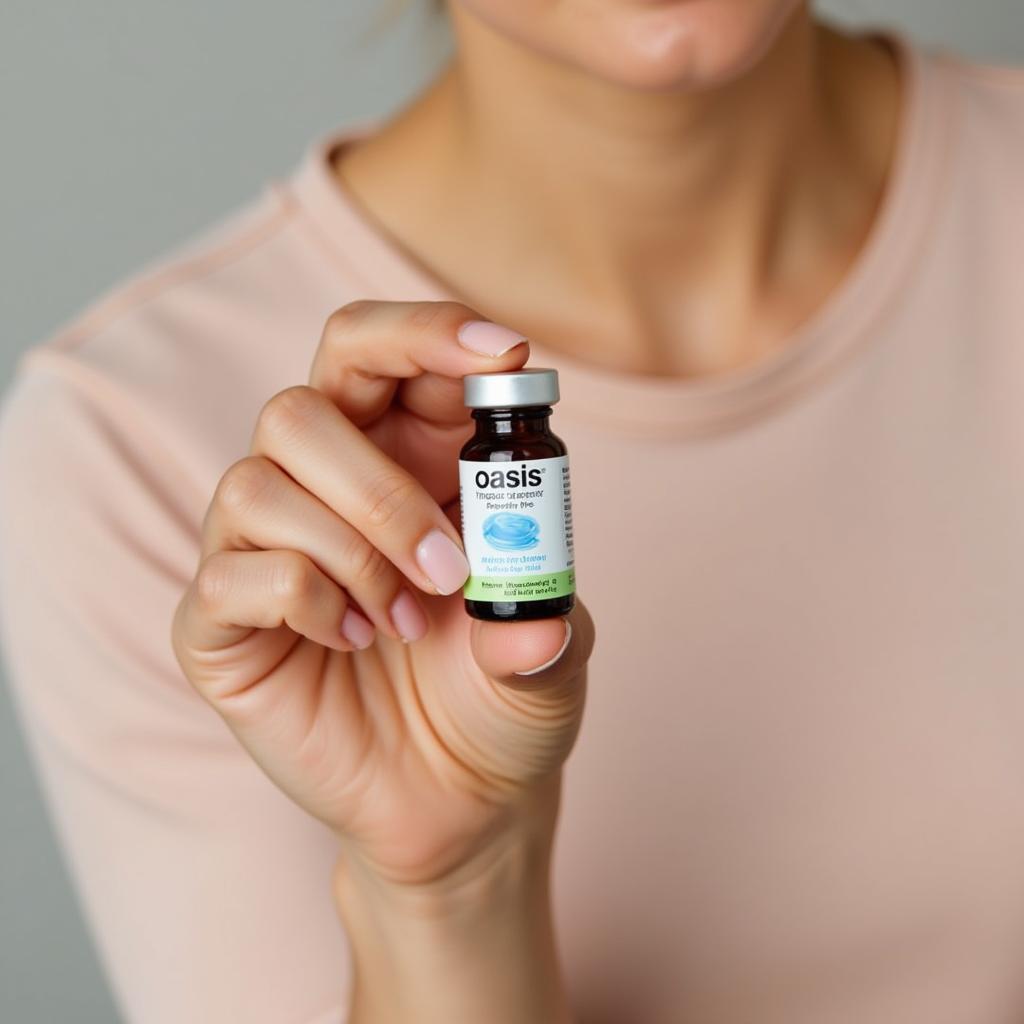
[514,492]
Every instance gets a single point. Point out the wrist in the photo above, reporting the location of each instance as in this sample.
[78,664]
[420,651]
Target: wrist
[477,944]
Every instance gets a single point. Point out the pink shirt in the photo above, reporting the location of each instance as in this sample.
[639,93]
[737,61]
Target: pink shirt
[798,800]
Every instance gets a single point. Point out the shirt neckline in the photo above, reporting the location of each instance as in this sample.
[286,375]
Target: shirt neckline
[645,405]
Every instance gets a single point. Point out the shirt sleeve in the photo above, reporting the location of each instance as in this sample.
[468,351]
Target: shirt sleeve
[207,892]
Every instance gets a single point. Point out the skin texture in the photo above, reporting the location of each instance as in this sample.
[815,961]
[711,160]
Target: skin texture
[674,187]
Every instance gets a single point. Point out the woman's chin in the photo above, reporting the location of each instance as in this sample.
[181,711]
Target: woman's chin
[644,44]
[688,44]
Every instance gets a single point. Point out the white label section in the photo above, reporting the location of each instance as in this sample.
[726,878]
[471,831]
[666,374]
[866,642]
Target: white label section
[517,523]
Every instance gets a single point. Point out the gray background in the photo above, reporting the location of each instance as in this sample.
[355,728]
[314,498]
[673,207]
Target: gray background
[129,124]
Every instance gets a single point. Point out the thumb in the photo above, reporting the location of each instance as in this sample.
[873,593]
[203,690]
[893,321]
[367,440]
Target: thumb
[534,655]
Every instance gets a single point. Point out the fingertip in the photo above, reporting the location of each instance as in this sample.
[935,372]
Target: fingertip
[554,657]
[486,338]
[520,649]
[407,617]
[357,629]
[442,562]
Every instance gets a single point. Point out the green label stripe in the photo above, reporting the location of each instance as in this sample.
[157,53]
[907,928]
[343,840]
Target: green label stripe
[520,588]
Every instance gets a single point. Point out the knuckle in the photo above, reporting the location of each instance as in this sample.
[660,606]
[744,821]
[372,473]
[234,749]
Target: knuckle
[245,483]
[294,579]
[366,563]
[346,317]
[213,581]
[445,313]
[287,414]
[387,497]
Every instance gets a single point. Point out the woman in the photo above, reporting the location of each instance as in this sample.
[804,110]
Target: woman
[776,266]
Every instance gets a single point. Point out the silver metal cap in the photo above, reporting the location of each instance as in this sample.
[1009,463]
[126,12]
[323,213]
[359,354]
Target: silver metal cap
[537,386]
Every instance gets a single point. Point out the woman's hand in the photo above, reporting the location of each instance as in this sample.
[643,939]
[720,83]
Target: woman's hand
[326,546]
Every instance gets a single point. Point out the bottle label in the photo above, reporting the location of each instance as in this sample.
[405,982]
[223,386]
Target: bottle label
[517,529]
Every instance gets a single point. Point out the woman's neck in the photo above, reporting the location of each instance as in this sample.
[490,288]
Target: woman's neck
[648,231]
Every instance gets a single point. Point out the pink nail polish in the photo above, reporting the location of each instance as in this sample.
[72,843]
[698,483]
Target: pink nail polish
[407,617]
[487,338]
[442,561]
[357,629]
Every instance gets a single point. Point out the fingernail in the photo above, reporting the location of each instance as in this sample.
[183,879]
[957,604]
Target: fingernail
[487,338]
[561,650]
[442,561]
[407,617]
[357,629]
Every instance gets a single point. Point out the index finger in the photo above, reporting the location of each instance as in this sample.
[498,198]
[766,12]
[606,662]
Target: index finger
[371,350]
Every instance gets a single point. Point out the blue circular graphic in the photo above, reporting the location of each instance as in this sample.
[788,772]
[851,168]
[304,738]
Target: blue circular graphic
[508,531]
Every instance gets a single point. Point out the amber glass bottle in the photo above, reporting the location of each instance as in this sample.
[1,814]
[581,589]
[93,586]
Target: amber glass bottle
[515,497]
